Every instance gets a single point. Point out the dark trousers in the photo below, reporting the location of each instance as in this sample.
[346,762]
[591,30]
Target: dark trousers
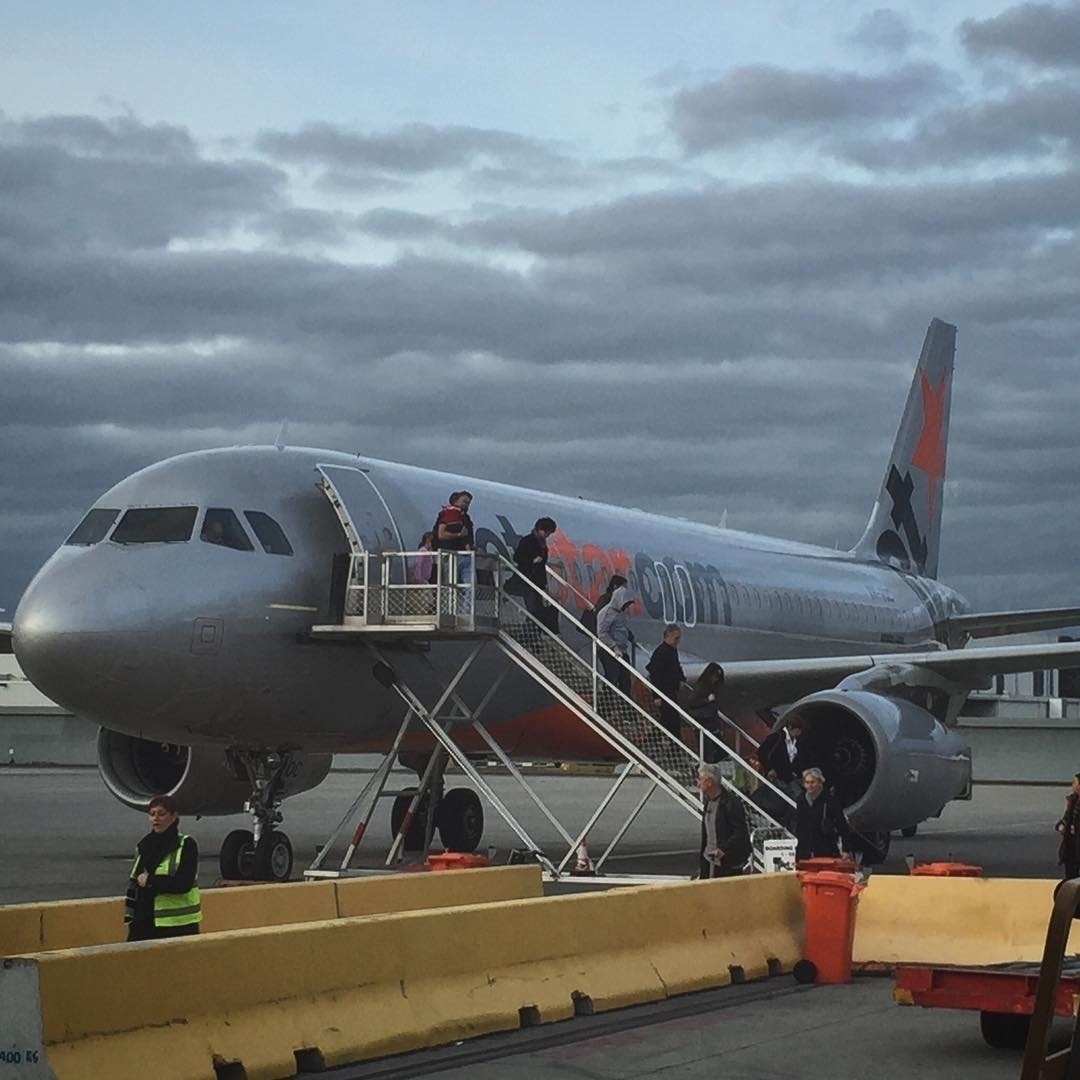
[143,932]
[614,671]
[707,868]
[546,614]
[1072,869]
[670,719]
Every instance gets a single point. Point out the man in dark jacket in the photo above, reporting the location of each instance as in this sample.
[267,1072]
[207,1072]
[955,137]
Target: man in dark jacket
[666,674]
[531,557]
[820,826]
[778,754]
[726,847]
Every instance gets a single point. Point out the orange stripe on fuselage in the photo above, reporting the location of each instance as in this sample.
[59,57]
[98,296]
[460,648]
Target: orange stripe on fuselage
[588,567]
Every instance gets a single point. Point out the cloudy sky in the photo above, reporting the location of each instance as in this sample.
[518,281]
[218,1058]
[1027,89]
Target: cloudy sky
[676,257]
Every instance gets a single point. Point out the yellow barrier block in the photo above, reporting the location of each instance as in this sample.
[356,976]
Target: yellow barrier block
[68,924]
[249,906]
[20,929]
[348,989]
[60,924]
[443,888]
[943,920]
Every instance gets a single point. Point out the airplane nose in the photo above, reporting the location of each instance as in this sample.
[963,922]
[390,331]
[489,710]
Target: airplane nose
[68,630]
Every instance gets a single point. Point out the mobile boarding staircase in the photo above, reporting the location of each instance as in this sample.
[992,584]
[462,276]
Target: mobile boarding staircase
[385,610]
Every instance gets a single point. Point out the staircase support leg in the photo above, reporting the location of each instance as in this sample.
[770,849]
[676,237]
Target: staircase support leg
[624,828]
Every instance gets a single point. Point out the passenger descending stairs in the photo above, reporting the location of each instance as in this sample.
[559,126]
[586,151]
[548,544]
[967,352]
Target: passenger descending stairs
[576,679]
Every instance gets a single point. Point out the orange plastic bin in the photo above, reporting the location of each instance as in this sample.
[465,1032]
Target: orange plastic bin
[456,860]
[841,864]
[829,900]
[946,869]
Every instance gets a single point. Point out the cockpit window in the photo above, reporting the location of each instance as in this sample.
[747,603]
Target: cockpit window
[155,525]
[94,527]
[222,527]
[269,532]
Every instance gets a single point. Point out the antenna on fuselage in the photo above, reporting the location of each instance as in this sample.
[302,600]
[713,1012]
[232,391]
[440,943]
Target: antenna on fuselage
[283,431]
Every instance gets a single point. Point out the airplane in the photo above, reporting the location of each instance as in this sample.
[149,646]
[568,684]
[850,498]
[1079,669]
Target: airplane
[178,616]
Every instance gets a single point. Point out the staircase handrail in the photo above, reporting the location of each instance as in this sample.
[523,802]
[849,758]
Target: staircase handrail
[573,588]
[635,674]
[635,754]
[739,730]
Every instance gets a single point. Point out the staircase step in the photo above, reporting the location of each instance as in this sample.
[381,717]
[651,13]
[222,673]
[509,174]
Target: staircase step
[610,710]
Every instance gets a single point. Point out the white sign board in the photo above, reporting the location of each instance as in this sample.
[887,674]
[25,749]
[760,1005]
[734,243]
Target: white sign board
[777,855]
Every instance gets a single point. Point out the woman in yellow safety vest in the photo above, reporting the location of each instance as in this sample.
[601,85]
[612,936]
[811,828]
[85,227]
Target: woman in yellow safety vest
[163,894]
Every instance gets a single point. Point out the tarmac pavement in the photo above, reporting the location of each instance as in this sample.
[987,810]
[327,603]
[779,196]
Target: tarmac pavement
[63,836]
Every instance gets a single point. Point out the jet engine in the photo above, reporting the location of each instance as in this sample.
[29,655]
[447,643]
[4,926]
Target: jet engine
[891,762]
[202,779]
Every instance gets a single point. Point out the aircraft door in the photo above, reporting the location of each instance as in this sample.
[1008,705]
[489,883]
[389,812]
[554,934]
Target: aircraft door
[359,505]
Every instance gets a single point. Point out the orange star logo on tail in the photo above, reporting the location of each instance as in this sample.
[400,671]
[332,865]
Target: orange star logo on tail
[929,454]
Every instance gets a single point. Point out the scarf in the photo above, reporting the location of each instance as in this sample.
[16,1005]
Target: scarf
[153,847]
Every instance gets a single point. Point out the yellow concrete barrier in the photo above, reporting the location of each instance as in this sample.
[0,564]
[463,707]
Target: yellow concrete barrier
[248,906]
[68,924]
[445,888]
[943,920]
[60,924]
[326,993]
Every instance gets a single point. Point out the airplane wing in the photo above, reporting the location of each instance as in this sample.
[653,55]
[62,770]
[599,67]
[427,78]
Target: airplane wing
[777,681]
[5,637]
[998,623]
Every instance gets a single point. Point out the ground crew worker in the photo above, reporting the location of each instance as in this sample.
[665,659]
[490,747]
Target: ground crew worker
[163,893]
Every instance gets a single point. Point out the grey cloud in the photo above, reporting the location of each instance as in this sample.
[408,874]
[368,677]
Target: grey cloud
[399,224]
[411,149]
[337,181]
[100,185]
[715,240]
[119,136]
[297,225]
[739,346]
[886,30]
[1031,122]
[1043,34]
[762,102]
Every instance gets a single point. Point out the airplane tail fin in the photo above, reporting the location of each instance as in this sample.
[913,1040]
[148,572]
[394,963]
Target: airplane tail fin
[905,525]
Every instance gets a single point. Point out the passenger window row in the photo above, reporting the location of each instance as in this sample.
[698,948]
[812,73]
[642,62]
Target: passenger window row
[175,524]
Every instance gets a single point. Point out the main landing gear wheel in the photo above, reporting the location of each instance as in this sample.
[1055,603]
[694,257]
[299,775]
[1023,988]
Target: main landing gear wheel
[237,856]
[460,819]
[273,857]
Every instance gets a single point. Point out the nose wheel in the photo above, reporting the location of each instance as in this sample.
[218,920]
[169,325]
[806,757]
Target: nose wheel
[241,859]
[262,853]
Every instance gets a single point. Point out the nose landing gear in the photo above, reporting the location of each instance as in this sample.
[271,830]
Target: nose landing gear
[263,853]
